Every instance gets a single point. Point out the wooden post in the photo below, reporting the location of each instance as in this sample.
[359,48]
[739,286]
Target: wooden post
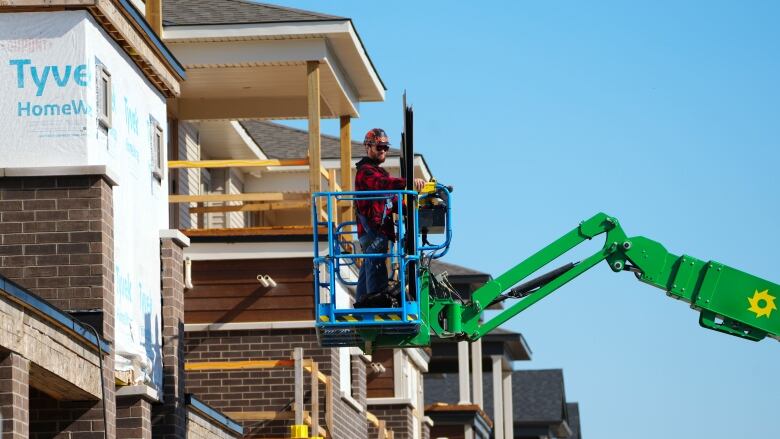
[345,137]
[153,14]
[298,357]
[329,405]
[382,428]
[313,97]
[315,399]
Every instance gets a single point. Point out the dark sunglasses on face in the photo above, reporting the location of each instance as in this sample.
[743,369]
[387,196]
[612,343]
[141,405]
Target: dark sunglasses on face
[381,147]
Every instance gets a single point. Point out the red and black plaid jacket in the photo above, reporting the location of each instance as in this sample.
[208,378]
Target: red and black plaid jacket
[371,177]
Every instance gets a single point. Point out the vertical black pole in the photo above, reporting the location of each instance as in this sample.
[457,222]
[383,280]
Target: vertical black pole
[407,172]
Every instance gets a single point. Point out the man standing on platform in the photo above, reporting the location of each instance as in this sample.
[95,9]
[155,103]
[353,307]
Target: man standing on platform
[375,217]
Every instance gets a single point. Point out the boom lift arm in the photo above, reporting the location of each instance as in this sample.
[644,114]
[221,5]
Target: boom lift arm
[728,300]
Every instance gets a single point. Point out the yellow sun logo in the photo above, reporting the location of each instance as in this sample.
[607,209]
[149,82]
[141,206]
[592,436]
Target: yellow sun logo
[762,303]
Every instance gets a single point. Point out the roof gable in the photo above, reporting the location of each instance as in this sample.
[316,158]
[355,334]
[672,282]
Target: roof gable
[210,12]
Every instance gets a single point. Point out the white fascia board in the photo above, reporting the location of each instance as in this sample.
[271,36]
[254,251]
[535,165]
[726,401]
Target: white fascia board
[220,251]
[370,70]
[253,30]
[248,140]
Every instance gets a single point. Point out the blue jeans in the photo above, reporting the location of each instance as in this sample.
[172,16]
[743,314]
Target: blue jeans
[373,272]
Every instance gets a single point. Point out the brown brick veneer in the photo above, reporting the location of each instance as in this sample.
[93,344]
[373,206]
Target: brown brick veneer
[399,418]
[270,390]
[172,414]
[56,239]
[133,418]
[14,396]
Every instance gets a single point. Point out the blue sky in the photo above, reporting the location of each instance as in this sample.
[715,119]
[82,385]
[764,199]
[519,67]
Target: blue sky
[664,114]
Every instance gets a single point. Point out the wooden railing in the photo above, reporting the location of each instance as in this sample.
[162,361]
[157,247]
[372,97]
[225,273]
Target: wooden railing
[254,202]
[310,417]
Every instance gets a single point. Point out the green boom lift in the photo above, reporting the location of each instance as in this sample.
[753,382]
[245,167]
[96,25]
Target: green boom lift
[728,300]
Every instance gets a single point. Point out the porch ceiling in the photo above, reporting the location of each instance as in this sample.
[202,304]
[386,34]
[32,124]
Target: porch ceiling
[260,73]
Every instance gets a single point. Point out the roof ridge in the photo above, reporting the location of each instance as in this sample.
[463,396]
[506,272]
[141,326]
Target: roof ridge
[285,8]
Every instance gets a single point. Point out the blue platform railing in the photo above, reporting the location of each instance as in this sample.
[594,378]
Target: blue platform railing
[343,252]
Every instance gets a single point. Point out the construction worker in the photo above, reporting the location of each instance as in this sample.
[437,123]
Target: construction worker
[375,218]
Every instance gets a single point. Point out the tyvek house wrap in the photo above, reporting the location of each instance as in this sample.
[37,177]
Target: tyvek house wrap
[48,96]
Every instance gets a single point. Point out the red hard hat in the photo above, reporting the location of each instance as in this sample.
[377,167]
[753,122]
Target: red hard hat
[376,136]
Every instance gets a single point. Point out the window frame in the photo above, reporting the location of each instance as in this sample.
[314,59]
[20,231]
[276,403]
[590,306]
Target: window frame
[157,143]
[104,96]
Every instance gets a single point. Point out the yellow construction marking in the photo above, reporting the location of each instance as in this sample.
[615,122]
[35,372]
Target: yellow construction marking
[378,318]
[324,319]
[350,318]
[394,317]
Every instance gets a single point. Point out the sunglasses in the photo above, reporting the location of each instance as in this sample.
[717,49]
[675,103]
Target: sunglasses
[382,147]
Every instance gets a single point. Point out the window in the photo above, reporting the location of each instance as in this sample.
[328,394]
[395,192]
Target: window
[103,96]
[157,150]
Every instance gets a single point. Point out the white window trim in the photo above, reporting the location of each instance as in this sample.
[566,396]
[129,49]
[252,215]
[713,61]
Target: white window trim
[104,120]
[158,162]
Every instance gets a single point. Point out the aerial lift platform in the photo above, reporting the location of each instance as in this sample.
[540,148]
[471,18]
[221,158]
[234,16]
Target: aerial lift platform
[727,300]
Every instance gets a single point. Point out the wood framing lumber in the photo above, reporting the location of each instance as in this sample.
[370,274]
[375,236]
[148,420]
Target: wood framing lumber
[254,207]
[212,164]
[315,397]
[256,231]
[257,196]
[313,99]
[298,361]
[320,376]
[239,365]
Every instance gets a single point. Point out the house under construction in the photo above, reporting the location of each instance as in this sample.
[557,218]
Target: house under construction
[156,237]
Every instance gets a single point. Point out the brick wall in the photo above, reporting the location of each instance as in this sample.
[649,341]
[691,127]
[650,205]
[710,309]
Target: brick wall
[200,427]
[270,389]
[133,417]
[56,239]
[172,414]
[14,396]
[398,417]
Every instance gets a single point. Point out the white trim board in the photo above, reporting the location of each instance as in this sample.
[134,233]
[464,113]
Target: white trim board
[220,251]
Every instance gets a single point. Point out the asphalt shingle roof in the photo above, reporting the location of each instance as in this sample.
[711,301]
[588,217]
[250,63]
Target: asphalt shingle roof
[455,270]
[539,396]
[208,12]
[574,420]
[282,142]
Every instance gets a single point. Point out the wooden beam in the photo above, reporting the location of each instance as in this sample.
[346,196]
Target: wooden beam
[239,365]
[255,207]
[345,139]
[329,406]
[235,163]
[257,231]
[313,98]
[298,383]
[215,198]
[320,376]
[154,15]
[315,397]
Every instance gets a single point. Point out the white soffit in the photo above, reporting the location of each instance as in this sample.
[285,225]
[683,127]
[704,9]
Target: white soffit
[218,251]
[227,140]
[340,34]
